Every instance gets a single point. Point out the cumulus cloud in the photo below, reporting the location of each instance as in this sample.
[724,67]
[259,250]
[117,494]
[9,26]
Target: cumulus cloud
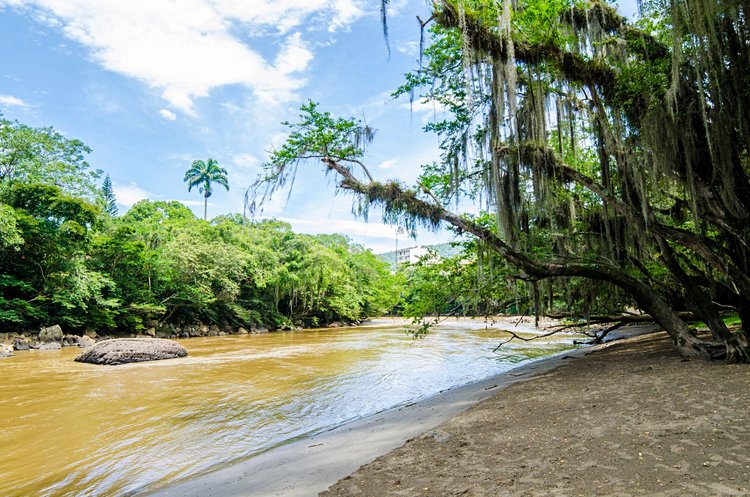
[184,49]
[245,160]
[167,114]
[389,164]
[12,101]
[127,195]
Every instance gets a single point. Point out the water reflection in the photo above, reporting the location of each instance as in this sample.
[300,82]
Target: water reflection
[75,429]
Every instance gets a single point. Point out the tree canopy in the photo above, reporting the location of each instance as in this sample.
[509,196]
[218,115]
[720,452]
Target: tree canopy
[67,258]
[602,149]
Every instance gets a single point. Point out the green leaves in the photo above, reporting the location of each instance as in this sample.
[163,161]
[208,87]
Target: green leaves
[42,155]
[203,175]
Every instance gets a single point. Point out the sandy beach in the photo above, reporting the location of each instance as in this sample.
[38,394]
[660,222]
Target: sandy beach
[632,418]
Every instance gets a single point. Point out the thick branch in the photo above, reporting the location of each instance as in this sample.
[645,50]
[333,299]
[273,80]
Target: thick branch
[394,197]
[483,39]
[711,251]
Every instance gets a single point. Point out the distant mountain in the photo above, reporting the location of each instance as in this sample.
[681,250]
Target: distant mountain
[444,250]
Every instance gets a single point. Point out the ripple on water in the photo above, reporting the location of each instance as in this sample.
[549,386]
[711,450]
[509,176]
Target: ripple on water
[82,430]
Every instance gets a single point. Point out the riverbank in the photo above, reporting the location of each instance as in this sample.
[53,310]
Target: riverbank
[310,464]
[632,418]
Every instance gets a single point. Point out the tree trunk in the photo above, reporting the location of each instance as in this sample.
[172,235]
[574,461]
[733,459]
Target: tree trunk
[205,208]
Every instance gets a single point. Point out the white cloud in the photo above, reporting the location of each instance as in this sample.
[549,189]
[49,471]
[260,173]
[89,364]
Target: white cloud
[409,48]
[167,114]
[12,101]
[127,195]
[389,164]
[195,203]
[346,226]
[422,105]
[245,160]
[294,57]
[186,48]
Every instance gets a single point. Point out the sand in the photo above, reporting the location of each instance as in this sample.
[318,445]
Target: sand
[310,465]
[632,418]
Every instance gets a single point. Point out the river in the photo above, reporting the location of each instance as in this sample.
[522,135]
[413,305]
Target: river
[73,429]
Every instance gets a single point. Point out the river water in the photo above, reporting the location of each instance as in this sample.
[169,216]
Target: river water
[73,429]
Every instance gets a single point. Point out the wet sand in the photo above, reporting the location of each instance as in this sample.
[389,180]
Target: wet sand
[631,418]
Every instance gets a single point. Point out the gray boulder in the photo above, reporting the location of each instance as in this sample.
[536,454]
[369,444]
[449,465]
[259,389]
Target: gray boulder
[125,350]
[86,342]
[20,344]
[51,334]
[50,346]
[5,350]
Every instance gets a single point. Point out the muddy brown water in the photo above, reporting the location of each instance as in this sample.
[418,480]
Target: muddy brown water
[71,429]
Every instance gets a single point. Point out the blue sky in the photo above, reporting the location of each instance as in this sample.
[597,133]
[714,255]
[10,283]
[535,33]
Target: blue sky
[151,85]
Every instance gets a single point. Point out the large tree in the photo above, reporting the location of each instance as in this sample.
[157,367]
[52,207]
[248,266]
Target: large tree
[203,175]
[606,149]
[42,155]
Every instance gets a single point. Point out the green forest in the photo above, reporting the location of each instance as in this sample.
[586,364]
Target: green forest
[68,258]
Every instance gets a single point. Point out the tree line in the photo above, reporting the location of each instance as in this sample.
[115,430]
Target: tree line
[68,258]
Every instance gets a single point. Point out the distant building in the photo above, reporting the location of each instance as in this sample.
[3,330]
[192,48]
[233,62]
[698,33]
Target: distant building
[410,254]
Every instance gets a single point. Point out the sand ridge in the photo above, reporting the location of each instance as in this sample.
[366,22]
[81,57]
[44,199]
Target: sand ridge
[630,419]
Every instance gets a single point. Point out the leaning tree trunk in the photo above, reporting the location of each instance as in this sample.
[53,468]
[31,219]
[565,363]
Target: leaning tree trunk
[396,199]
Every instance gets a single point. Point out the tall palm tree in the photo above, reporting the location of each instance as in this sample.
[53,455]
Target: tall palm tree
[203,174]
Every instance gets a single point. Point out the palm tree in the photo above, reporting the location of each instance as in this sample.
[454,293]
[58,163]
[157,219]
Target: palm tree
[202,174]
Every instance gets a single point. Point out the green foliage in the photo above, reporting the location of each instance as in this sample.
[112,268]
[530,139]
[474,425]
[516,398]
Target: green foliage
[203,175]
[42,155]
[316,136]
[108,197]
[63,261]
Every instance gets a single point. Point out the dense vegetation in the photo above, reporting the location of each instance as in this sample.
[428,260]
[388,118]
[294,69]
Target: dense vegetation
[67,258]
[607,160]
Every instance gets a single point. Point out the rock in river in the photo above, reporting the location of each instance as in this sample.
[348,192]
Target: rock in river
[5,350]
[51,334]
[124,350]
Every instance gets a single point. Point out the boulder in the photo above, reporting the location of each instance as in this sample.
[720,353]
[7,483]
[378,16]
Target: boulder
[20,344]
[91,334]
[5,350]
[51,334]
[150,332]
[242,331]
[50,346]
[70,340]
[125,350]
[86,341]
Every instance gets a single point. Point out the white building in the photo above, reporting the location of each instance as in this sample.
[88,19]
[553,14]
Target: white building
[410,254]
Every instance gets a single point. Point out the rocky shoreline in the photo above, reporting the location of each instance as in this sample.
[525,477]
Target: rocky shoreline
[54,338]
